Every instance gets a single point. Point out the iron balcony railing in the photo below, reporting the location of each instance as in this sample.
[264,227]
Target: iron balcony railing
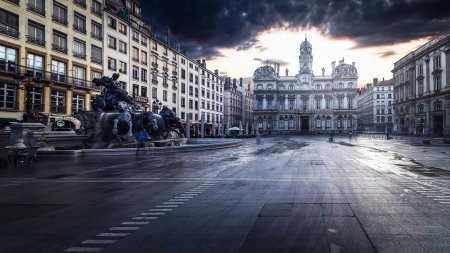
[58,48]
[96,36]
[80,55]
[96,60]
[46,76]
[9,31]
[58,108]
[33,8]
[79,28]
[34,40]
[60,20]
[16,2]
[81,3]
[96,12]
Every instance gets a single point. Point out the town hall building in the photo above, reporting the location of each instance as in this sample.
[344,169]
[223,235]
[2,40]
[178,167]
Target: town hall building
[305,103]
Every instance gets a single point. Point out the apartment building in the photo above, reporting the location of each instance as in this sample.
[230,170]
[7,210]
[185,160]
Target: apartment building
[375,107]
[57,43]
[233,104]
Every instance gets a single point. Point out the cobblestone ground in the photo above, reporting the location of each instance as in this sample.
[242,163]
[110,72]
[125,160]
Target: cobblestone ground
[285,194]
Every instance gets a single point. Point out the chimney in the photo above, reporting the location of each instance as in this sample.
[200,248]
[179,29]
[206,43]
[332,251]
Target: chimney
[234,82]
[278,69]
[184,52]
[383,79]
[375,81]
[167,34]
[333,66]
[204,63]
[240,81]
[216,72]
[199,62]
[248,86]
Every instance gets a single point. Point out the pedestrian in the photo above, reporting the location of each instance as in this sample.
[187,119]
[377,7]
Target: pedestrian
[142,139]
[387,136]
[331,136]
[350,135]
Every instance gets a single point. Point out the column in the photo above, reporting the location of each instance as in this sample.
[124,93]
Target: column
[47,98]
[69,97]
[427,83]
[87,101]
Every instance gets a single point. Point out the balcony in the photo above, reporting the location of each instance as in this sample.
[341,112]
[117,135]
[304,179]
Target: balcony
[58,48]
[135,39]
[81,3]
[112,46]
[174,73]
[33,8]
[97,61]
[154,64]
[135,59]
[165,85]
[58,108]
[80,55]
[144,43]
[36,41]
[96,12]
[9,31]
[59,20]
[174,87]
[16,2]
[123,71]
[96,36]
[123,51]
[144,63]
[165,69]
[154,81]
[78,28]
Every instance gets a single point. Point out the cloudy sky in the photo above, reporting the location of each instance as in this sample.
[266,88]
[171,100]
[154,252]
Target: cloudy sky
[238,36]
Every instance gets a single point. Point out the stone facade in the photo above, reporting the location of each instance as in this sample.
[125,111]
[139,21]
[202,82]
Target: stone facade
[421,89]
[305,102]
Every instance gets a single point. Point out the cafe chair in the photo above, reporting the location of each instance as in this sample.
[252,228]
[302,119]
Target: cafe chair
[27,155]
[4,155]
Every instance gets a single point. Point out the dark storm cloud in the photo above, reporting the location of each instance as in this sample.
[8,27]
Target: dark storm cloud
[203,26]
[271,61]
[386,54]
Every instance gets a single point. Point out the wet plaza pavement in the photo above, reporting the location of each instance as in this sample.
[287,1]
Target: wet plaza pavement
[286,194]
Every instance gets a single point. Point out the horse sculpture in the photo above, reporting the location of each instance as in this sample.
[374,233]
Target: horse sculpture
[123,118]
[164,128]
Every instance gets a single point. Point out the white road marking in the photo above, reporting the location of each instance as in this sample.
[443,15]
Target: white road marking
[124,228]
[99,241]
[83,249]
[114,234]
[135,223]
[160,210]
[144,218]
[174,206]
[168,203]
[184,197]
[153,213]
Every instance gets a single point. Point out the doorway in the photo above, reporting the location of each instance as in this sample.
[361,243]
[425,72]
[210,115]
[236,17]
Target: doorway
[304,123]
[438,124]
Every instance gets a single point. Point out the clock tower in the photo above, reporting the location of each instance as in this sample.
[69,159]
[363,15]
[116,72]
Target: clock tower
[305,60]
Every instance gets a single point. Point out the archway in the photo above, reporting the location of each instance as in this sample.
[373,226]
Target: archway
[304,123]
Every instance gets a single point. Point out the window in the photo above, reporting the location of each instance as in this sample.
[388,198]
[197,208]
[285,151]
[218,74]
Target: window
[123,85]
[7,96]
[122,47]
[112,23]
[58,71]
[183,61]
[350,103]
[291,104]
[196,105]
[318,122]
[96,31]
[77,103]
[135,54]
[135,73]
[79,23]
[96,8]
[111,42]
[183,102]
[164,95]
[144,40]
[59,13]
[196,92]
[340,103]
[328,103]
[437,62]
[154,76]
[318,103]
[183,74]
[420,88]
[59,42]
[135,90]
[112,64]
[183,88]
[437,105]
[437,83]
[174,98]
[135,36]
[143,91]
[81,3]
[420,108]
[36,6]
[144,57]
[196,79]
[96,54]
[191,103]
[154,93]
[122,67]
[155,46]
[420,69]
[143,75]
[35,64]
[36,33]
[79,48]
[203,93]
[122,28]
[58,101]
[79,73]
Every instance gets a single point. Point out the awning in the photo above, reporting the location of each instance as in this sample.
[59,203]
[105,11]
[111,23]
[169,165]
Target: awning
[145,105]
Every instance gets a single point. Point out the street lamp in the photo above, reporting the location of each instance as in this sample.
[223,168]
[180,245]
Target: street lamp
[156,106]
[29,88]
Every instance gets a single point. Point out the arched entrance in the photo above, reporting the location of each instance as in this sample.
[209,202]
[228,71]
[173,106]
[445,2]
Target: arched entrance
[304,123]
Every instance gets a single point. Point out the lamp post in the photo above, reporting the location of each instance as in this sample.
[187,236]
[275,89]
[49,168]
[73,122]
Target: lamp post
[29,88]
[156,106]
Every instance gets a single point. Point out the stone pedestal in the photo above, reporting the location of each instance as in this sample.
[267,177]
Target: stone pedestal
[26,133]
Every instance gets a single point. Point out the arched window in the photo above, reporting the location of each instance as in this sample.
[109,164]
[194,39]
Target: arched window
[382,119]
[291,87]
[318,122]
[281,87]
[291,122]
[340,85]
[260,123]
[350,122]
[328,87]
[269,123]
[281,122]
[389,119]
[318,86]
[378,119]
[328,121]
[350,85]
[339,122]
[269,86]
[259,87]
